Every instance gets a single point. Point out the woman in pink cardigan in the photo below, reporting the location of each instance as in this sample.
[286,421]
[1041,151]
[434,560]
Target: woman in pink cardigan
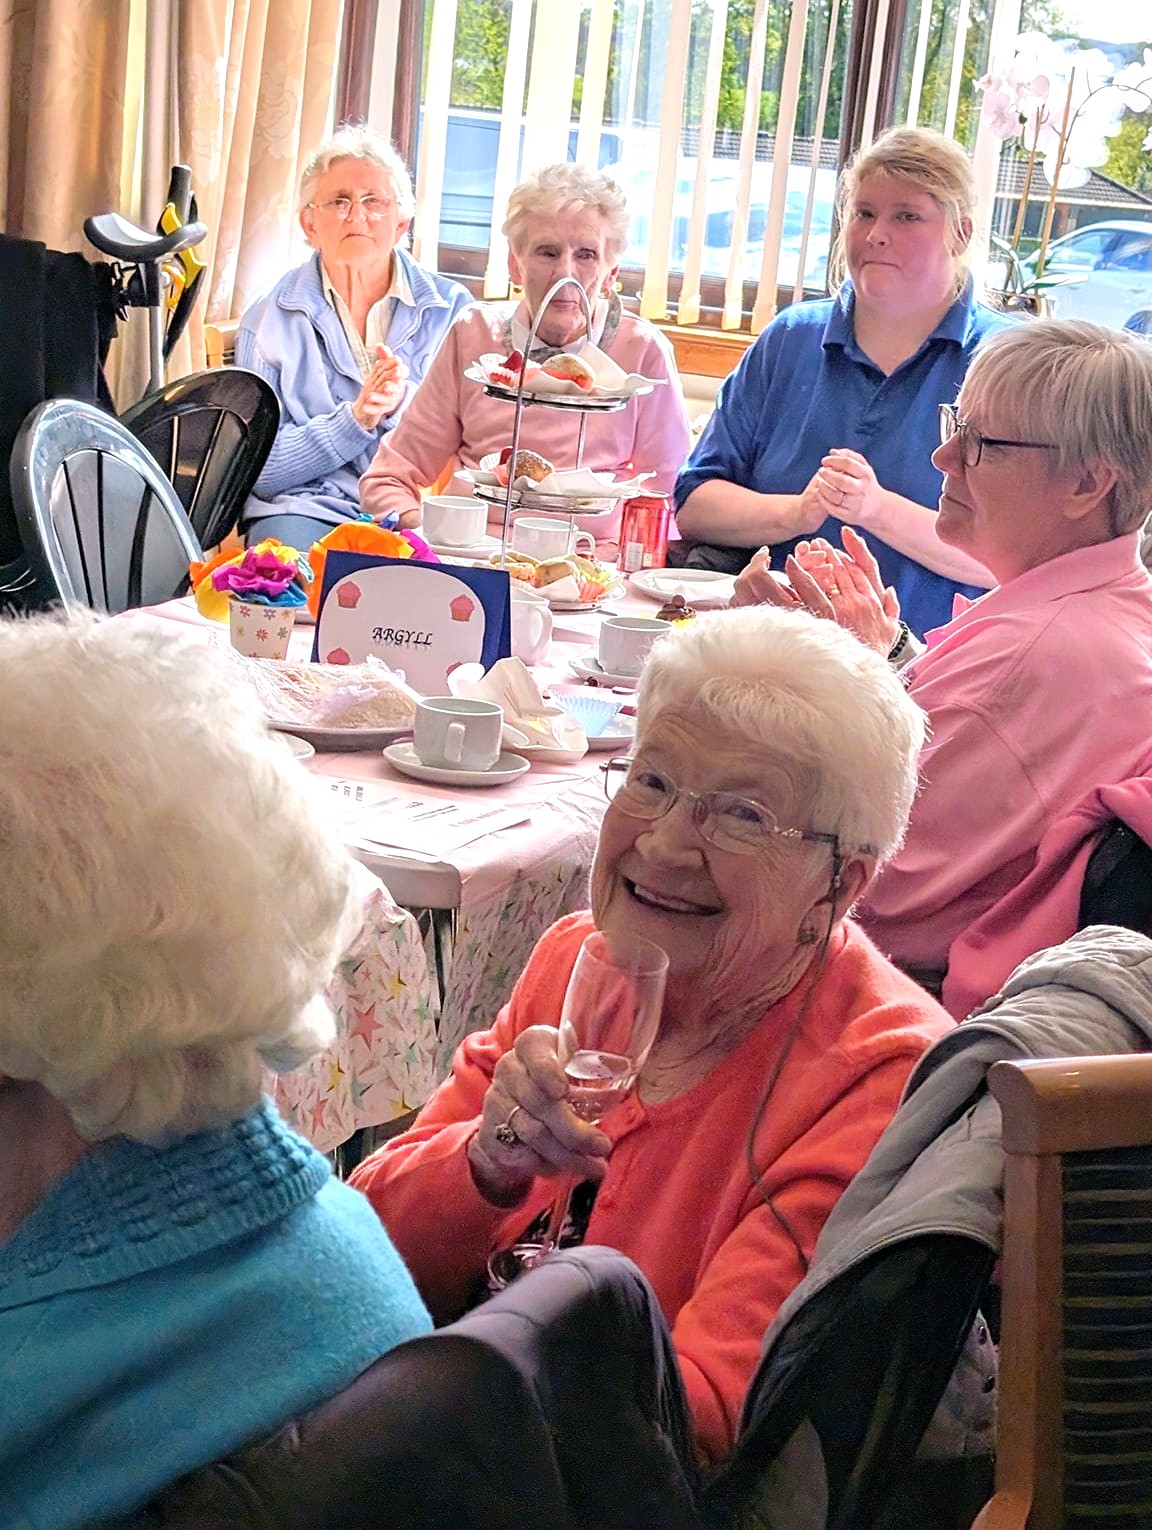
[563,221]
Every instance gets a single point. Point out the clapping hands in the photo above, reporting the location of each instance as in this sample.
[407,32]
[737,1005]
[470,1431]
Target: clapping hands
[840,586]
[383,390]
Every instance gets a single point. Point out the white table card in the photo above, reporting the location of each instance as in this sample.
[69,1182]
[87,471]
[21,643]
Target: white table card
[422,618]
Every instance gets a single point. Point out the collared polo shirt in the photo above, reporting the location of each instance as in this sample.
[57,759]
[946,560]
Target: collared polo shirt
[379,323]
[1036,694]
[805,388]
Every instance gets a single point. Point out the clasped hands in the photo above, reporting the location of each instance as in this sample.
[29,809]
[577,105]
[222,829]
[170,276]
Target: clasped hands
[383,390]
[840,586]
[551,1140]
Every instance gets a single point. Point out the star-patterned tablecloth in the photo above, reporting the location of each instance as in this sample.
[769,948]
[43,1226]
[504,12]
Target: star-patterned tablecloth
[382,1063]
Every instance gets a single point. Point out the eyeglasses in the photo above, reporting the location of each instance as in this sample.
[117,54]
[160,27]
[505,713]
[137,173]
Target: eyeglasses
[373,207]
[725,819]
[972,443]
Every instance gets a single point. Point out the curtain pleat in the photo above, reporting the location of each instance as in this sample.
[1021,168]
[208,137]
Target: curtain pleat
[955,79]
[733,310]
[508,147]
[434,132]
[817,140]
[919,62]
[551,78]
[654,296]
[688,308]
[595,80]
[764,307]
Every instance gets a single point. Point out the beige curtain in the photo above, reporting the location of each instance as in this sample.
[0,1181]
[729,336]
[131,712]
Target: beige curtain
[254,90]
[99,97]
[63,87]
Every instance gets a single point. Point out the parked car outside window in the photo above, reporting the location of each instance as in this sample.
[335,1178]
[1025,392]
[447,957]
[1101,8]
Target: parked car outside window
[1109,271]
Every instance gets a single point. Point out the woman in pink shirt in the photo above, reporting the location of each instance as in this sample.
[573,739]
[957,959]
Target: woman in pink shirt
[1040,692]
[563,221]
[753,814]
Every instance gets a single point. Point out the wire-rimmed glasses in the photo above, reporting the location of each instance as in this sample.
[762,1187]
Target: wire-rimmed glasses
[972,442]
[372,206]
[725,819]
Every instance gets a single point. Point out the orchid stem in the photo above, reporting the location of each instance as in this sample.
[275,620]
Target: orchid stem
[1022,210]
[1050,210]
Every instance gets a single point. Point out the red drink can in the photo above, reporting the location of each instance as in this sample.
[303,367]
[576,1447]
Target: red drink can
[644,525]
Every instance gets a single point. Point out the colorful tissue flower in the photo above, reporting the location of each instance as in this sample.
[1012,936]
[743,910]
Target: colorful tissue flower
[363,536]
[212,600]
[261,578]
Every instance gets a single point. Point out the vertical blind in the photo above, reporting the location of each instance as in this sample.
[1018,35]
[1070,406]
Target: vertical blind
[675,53]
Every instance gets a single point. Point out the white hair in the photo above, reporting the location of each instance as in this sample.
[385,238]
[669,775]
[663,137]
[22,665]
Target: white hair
[1084,388]
[540,195]
[356,140]
[809,691]
[172,900]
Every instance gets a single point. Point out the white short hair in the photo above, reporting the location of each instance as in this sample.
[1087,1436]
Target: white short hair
[542,194]
[172,901]
[1084,388]
[356,140]
[808,690]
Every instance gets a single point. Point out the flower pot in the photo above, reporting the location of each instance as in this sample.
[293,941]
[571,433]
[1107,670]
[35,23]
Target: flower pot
[260,632]
[1028,305]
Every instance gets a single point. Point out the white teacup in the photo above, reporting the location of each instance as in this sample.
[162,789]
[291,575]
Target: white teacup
[452,521]
[543,538]
[531,625]
[625,641]
[455,733]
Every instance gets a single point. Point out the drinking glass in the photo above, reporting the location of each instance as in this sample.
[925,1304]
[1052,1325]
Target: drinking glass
[608,1023]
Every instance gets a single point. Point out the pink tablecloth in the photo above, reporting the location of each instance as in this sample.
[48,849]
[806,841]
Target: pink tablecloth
[512,886]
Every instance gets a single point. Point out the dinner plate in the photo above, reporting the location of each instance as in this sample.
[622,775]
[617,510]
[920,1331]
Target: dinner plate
[403,757]
[700,587]
[340,740]
[587,666]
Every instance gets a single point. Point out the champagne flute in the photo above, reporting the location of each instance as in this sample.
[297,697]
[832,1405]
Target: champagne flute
[609,1020]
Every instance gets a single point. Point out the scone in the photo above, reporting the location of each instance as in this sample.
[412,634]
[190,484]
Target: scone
[572,369]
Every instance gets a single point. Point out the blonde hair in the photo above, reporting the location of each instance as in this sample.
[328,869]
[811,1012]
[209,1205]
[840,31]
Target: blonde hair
[1085,388]
[807,689]
[554,187]
[173,900]
[934,164]
[356,140]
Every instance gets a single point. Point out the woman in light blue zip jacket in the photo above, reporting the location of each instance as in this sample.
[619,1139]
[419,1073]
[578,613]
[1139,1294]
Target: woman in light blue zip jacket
[344,338]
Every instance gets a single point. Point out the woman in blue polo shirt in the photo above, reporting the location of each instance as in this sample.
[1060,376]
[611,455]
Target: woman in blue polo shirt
[344,339]
[831,417]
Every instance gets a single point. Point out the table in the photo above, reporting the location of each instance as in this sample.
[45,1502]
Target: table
[487,905]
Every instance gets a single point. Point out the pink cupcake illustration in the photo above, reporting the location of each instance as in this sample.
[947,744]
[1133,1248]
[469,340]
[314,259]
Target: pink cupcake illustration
[462,608]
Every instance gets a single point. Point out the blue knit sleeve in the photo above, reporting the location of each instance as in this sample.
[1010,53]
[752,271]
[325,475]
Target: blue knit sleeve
[302,454]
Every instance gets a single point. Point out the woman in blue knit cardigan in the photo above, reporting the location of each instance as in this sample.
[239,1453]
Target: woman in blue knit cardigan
[179,1273]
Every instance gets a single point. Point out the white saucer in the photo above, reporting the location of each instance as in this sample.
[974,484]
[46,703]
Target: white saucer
[476,553]
[403,757]
[619,735]
[300,748]
[700,587]
[587,666]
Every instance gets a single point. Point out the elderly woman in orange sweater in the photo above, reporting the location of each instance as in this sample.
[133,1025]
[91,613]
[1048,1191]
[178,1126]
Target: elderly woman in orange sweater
[774,768]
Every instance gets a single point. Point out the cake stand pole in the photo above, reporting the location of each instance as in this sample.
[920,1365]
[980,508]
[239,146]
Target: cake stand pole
[509,493]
